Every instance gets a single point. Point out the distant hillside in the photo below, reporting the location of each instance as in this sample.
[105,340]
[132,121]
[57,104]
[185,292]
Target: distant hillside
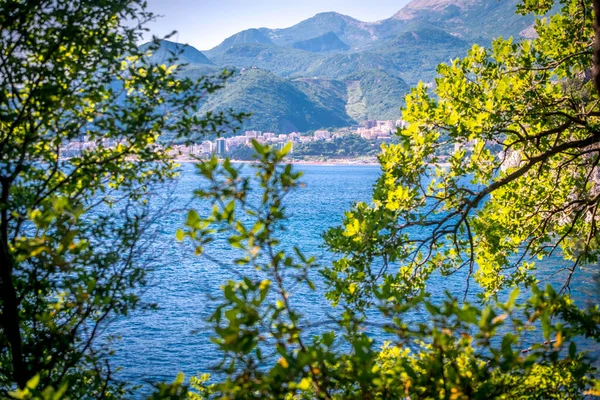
[405,51]
[282,61]
[424,35]
[326,42]
[339,65]
[249,36]
[400,55]
[276,104]
[327,93]
[282,105]
[375,94]
[369,94]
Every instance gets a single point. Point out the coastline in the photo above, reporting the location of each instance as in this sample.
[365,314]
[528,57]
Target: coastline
[345,162]
[349,162]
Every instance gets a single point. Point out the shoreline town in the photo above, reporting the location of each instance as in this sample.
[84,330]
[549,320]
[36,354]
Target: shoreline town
[376,131]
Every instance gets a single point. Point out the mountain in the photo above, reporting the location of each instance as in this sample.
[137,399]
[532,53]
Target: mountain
[325,92]
[351,31]
[326,42]
[249,36]
[287,105]
[468,19]
[334,70]
[412,55]
[340,65]
[409,44]
[185,53]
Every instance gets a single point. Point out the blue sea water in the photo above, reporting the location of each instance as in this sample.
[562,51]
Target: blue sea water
[156,345]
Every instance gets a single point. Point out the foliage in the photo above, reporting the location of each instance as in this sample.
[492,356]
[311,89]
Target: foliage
[73,214]
[485,212]
[345,146]
[242,153]
[521,184]
[271,350]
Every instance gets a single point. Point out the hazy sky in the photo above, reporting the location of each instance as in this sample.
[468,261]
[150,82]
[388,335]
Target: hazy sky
[206,23]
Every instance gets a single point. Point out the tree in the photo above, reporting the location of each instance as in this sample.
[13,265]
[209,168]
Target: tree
[82,110]
[522,181]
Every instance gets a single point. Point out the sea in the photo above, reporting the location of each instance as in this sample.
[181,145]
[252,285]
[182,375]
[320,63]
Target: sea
[154,346]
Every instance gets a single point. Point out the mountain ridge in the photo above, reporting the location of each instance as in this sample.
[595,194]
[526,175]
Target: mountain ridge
[183,52]
[353,70]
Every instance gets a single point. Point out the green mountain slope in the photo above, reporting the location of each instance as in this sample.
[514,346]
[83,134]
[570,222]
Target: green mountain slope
[283,61]
[276,104]
[412,55]
[375,94]
[339,65]
[326,93]
[416,52]
[282,105]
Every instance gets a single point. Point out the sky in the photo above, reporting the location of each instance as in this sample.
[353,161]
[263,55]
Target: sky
[206,23]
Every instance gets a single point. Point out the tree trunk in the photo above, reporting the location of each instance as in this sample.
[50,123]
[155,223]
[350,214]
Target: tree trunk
[8,294]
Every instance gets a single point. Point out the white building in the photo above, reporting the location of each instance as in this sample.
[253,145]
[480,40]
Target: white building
[322,135]
[207,147]
[253,134]
[386,126]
